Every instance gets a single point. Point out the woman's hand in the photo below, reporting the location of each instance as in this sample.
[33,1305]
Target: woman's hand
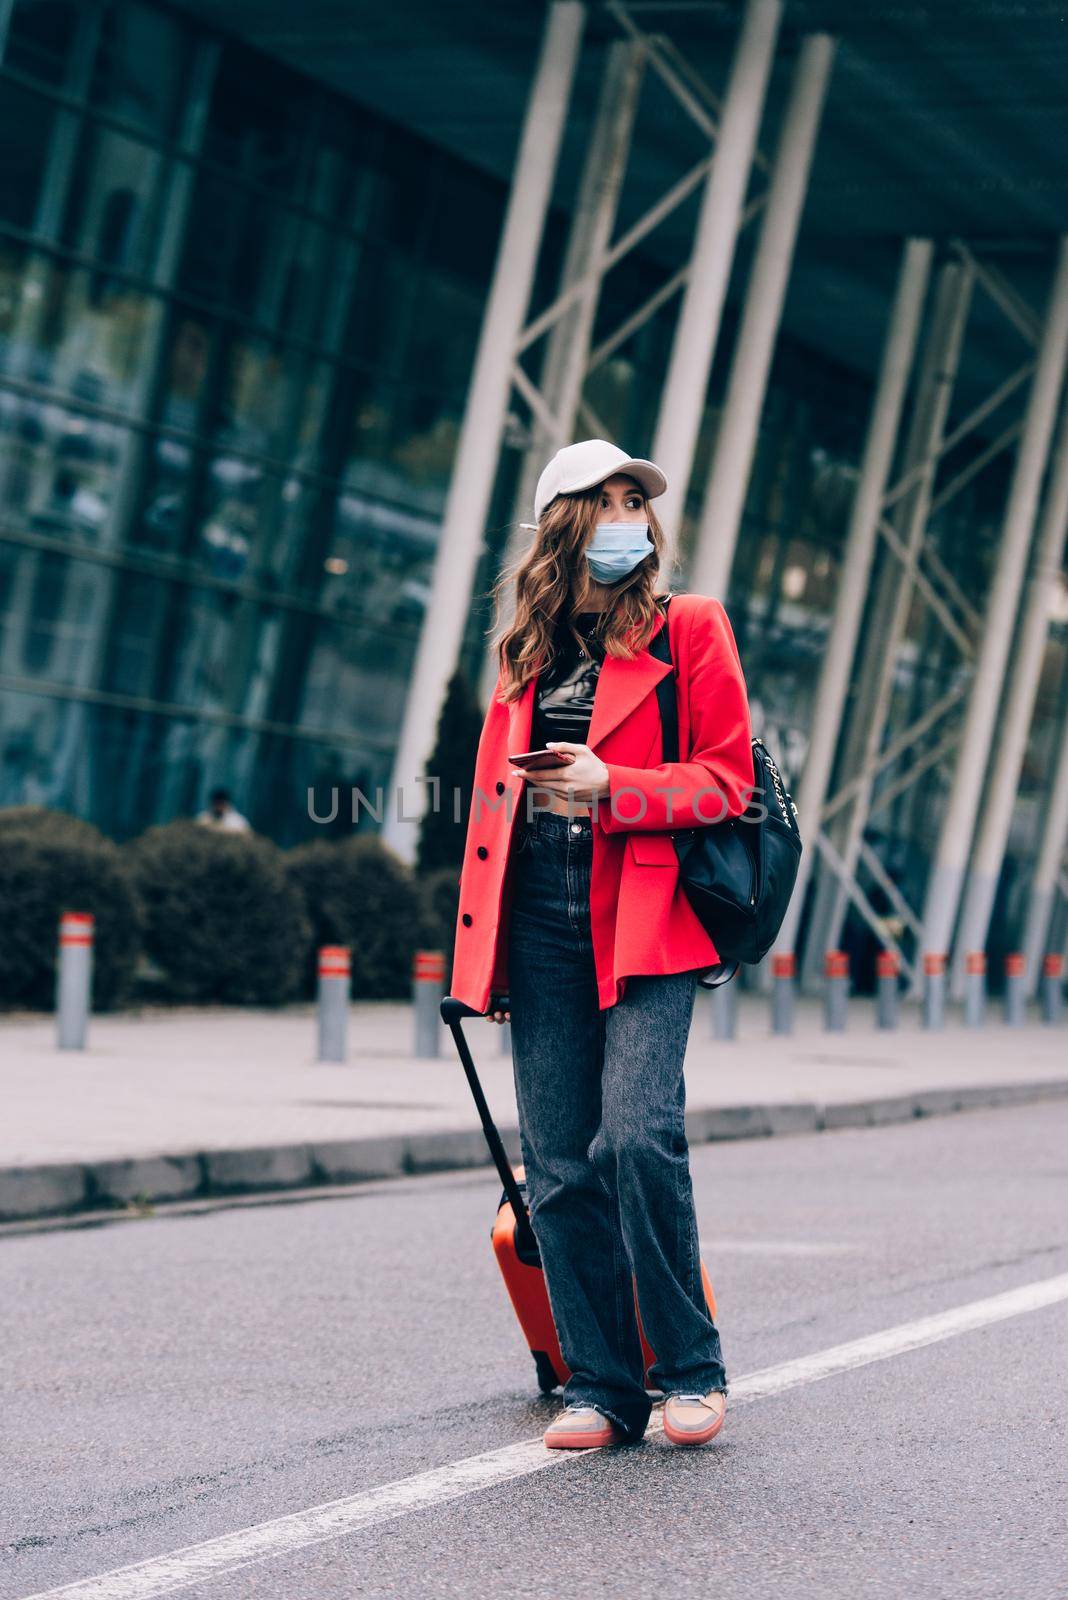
[585,778]
[499,1016]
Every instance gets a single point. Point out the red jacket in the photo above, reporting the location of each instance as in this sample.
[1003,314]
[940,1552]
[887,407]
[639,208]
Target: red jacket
[641,919]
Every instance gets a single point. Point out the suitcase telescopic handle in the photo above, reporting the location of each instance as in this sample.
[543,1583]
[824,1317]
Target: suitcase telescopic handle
[453,1012]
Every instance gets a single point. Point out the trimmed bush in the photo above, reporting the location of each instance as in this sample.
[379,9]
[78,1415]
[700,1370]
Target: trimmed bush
[40,820]
[223,919]
[360,894]
[49,864]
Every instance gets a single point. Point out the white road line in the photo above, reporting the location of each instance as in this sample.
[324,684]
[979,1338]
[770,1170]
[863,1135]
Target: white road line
[285,1535]
[776,1247]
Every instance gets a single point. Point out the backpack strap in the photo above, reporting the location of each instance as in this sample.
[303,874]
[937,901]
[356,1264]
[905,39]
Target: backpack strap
[660,647]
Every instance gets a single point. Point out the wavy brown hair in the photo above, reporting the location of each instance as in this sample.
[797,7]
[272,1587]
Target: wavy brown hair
[552,585]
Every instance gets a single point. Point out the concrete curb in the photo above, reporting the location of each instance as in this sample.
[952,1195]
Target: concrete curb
[29,1193]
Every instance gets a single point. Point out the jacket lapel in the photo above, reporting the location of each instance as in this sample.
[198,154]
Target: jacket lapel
[621,685]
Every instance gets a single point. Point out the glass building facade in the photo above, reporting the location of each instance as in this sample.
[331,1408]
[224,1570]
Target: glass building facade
[236,327]
[238,315]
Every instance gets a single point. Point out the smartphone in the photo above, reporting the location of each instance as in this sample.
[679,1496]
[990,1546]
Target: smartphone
[541,760]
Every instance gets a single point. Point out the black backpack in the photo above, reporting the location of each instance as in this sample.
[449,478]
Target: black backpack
[738,874]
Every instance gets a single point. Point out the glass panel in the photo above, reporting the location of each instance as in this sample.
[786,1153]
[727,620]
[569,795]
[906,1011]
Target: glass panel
[134,632]
[333,184]
[446,322]
[113,207]
[169,465]
[423,431]
[13,259]
[219,216]
[381,310]
[273,404]
[35,766]
[346,678]
[27,135]
[228,514]
[405,177]
[368,436]
[141,66]
[39,38]
[53,609]
[259,112]
[293,766]
[465,225]
[375,560]
[79,333]
[58,469]
[243,252]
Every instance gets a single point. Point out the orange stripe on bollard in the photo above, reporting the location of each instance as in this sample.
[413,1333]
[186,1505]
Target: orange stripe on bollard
[836,964]
[428,966]
[975,962]
[887,964]
[334,961]
[76,928]
[1053,965]
[934,963]
[1014,965]
[784,966]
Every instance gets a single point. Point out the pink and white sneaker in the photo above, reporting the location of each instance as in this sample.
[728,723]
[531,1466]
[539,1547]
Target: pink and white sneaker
[694,1418]
[582,1427]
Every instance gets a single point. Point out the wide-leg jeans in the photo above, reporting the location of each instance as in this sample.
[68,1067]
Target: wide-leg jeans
[601,1099]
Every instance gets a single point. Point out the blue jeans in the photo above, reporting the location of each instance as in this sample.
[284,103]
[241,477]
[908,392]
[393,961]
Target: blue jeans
[601,1099]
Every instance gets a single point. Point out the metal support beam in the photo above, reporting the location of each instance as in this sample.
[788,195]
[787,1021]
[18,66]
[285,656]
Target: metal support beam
[682,405]
[947,876]
[895,588]
[475,468]
[833,685]
[1014,723]
[732,460]
[1038,926]
[555,402]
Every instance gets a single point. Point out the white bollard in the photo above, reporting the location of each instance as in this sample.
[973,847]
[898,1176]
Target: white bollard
[335,969]
[724,1009]
[428,987]
[888,969]
[74,978]
[934,989]
[1015,994]
[974,988]
[1052,978]
[784,973]
[835,990]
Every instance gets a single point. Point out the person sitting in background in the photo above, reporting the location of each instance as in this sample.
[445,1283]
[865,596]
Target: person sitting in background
[222,813]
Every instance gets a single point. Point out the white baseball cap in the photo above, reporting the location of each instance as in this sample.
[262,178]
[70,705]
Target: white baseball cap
[591,461]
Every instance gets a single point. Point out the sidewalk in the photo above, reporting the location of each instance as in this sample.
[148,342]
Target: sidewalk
[173,1104]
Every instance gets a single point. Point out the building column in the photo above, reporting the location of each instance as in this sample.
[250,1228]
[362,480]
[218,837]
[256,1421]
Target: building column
[567,346]
[875,465]
[478,448]
[732,460]
[894,590]
[1014,723]
[1038,927]
[946,880]
[682,405]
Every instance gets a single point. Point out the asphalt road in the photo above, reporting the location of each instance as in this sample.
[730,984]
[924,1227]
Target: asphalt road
[172,1380]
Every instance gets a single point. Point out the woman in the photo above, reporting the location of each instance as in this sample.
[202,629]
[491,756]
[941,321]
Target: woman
[570,904]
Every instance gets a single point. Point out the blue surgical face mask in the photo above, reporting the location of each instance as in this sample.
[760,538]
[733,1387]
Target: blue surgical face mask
[616,549]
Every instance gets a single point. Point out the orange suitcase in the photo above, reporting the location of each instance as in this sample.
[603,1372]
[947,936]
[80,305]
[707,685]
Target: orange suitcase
[514,1243]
